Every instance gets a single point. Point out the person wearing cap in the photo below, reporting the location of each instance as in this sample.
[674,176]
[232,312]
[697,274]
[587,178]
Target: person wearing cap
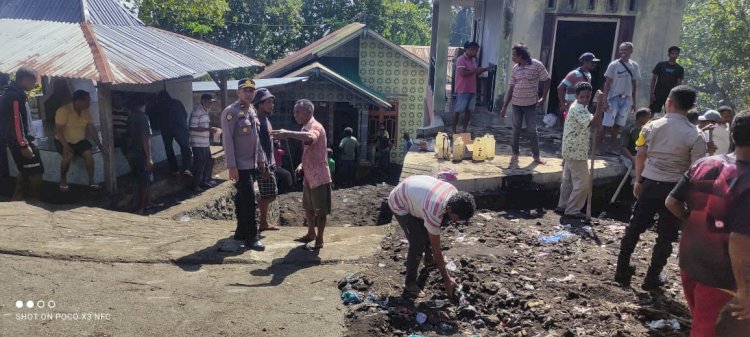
[263,103]
[716,136]
[666,148]
[316,191]
[566,91]
[666,75]
[620,86]
[200,134]
[244,157]
[466,84]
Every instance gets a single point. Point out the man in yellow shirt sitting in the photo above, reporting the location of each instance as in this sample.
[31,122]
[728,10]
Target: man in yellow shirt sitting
[73,127]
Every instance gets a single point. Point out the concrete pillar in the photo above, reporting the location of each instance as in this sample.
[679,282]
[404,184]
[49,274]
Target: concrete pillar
[104,90]
[440,41]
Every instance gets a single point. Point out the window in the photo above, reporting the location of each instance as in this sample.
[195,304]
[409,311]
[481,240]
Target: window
[592,5]
[551,4]
[612,5]
[631,5]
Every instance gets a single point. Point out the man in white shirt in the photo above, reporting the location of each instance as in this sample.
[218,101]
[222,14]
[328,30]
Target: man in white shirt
[621,76]
[710,125]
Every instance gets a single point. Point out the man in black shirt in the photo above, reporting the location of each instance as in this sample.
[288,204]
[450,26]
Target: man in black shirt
[667,75]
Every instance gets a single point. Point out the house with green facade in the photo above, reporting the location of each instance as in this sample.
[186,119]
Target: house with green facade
[357,79]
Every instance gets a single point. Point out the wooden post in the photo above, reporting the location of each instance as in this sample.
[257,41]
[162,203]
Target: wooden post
[104,90]
[224,91]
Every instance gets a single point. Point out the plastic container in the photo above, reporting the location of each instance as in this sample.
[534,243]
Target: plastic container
[458,149]
[478,150]
[489,146]
[442,146]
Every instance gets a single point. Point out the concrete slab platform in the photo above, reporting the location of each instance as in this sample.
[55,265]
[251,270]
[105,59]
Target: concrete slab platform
[490,175]
[93,234]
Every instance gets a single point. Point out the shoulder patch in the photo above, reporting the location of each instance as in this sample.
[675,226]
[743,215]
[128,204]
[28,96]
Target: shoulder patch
[230,116]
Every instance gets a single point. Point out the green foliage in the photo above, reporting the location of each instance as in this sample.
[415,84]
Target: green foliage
[183,16]
[716,51]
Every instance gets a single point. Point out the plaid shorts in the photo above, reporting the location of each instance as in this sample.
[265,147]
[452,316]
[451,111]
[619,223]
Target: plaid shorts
[268,187]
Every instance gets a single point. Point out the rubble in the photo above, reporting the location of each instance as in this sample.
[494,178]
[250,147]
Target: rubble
[513,284]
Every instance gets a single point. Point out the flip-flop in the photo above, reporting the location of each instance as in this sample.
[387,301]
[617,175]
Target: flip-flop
[95,187]
[304,239]
[269,228]
[313,248]
[64,188]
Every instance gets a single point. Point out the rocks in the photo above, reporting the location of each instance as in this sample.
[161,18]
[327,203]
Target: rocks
[513,285]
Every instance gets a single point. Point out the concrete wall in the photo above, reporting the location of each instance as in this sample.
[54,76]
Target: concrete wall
[658,26]
[398,78]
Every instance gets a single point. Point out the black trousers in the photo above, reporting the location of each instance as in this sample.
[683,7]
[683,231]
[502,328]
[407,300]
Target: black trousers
[182,139]
[651,202]
[203,165]
[244,204]
[419,245]
[3,159]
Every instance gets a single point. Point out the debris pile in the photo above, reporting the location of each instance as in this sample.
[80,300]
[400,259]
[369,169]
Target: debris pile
[512,283]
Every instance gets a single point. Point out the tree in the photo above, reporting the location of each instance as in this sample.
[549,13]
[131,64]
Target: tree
[183,16]
[716,51]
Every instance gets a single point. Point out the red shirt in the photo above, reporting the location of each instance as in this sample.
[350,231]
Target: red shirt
[466,84]
[717,192]
[315,156]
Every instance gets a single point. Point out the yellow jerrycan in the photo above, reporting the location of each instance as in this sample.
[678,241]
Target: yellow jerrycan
[458,149]
[489,146]
[442,146]
[478,149]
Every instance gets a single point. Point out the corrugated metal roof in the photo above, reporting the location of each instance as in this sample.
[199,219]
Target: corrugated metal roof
[211,86]
[105,12]
[423,52]
[135,54]
[147,54]
[309,52]
[329,42]
[355,87]
[52,48]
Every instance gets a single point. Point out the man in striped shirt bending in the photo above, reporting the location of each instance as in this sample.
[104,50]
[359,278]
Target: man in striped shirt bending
[421,205]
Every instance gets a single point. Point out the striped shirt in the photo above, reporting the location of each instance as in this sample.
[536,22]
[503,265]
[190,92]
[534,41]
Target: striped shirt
[199,119]
[525,81]
[570,81]
[423,197]
[120,123]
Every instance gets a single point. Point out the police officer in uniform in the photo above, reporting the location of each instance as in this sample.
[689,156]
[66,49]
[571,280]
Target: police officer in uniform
[244,158]
[14,119]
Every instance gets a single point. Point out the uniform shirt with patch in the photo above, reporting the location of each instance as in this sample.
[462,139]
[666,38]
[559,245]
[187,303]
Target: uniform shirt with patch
[672,144]
[423,197]
[240,136]
[575,143]
[717,192]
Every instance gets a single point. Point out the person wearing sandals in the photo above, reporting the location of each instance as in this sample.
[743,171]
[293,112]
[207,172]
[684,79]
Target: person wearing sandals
[267,186]
[421,205]
[73,127]
[523,94]
[316,192]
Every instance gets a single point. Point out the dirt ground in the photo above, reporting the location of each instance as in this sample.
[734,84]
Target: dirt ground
[513,284]
[364,205]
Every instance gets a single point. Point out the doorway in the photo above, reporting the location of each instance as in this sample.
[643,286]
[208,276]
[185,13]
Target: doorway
[574,37]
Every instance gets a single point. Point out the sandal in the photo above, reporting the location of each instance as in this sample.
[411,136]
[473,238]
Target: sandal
[304,239]
[95,187]
[64,188]
[313,248]
[269,228]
